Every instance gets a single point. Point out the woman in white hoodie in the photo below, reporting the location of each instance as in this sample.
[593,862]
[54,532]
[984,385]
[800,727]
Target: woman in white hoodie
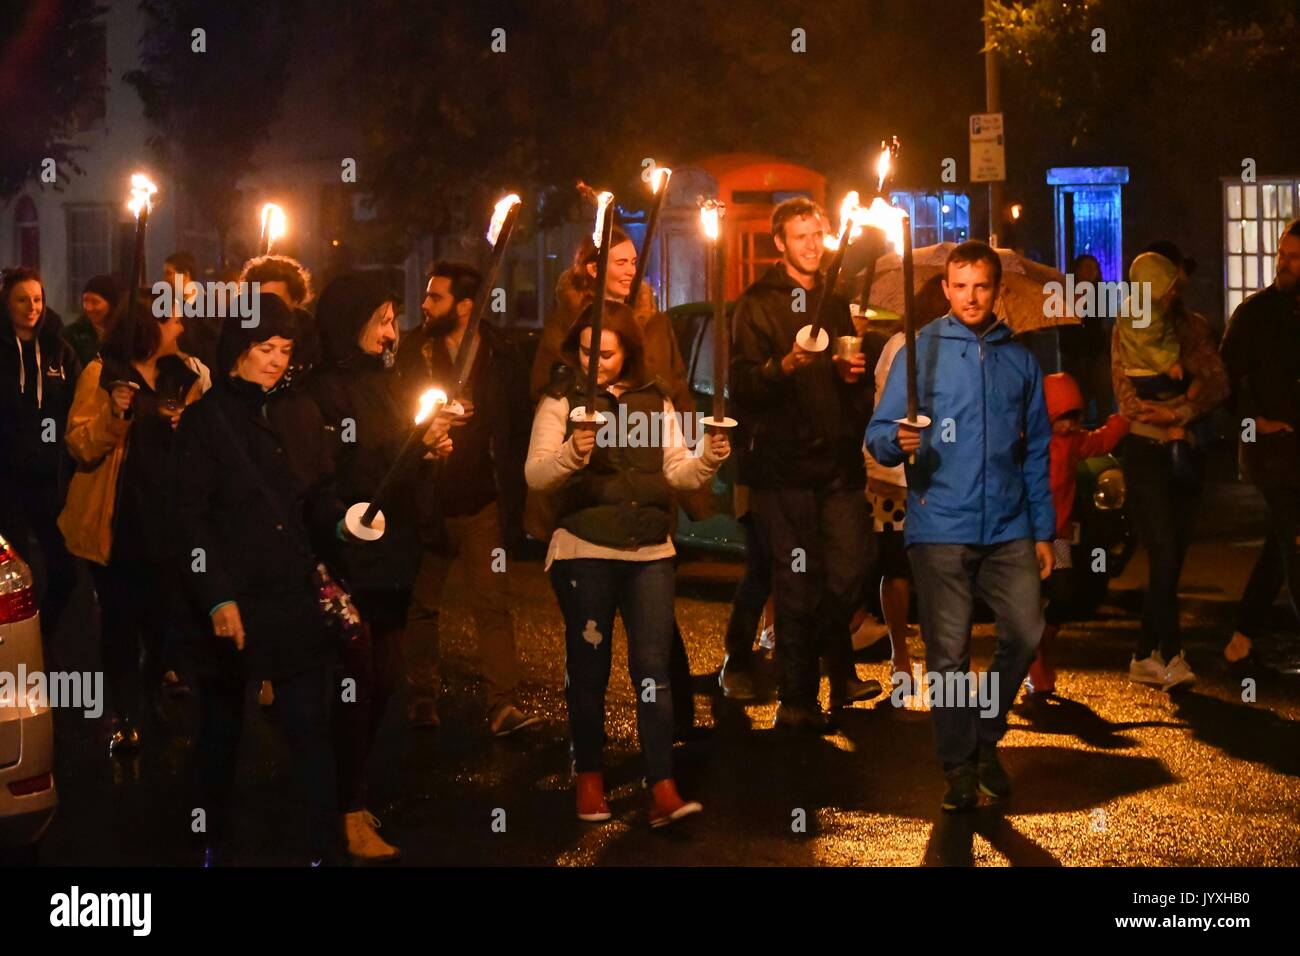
[612,550]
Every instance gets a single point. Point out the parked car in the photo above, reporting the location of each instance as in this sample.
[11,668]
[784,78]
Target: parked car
[27,794]
[1099,501]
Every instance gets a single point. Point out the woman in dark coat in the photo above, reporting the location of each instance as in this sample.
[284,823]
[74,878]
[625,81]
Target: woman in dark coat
[247,506]
[38,374]
[367,415]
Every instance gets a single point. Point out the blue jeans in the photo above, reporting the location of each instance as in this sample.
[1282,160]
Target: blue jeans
[590,590]
[948,577]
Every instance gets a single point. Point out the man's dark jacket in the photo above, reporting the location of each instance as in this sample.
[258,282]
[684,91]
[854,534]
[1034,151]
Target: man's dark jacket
[800,430]
[487,462]
[1261,352]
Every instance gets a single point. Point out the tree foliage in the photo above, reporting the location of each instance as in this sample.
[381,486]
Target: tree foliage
[212,108]
[51,82]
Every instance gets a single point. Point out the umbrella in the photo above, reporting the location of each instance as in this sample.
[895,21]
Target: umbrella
[1020,302]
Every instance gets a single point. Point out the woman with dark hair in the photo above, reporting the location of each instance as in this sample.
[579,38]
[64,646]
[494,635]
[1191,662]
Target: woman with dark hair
[38,371]
[120,435]
[248,504]
[612,549]
[363,402]
[662,359]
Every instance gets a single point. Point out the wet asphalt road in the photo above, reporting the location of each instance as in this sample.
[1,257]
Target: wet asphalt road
[1107,774]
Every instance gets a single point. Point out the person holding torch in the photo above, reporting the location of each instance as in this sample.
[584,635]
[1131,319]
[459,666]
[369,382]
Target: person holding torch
[368,416]
[802,414]
[980,518]
[612,550]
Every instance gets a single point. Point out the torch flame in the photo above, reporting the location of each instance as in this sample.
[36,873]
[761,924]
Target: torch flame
[660,181]
[888,219]
[711,213]
[499,214]
[850,221]
[430,401]
[882,166]
[603,202]
[274,223]
[142,190]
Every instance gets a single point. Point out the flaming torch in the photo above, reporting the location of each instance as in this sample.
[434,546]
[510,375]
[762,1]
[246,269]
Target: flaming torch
[504,216]
[813,338]
[274,226]
[660,185]
[602,236]
[884,172]
[712,212]
[140,204]
[360,518]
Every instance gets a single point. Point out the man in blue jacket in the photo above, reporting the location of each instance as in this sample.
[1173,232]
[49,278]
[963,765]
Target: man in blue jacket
[979,513]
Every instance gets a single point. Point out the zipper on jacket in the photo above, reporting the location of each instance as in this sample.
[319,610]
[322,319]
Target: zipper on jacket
[984,453]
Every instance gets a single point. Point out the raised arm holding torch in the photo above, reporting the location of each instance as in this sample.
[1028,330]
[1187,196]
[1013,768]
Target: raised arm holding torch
[504,216]
[604,232]
[813,338]
[712,212]
[660,181]
[140,204]
[360,518]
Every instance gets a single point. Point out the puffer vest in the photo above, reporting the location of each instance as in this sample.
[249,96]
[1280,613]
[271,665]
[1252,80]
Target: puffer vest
[621,499]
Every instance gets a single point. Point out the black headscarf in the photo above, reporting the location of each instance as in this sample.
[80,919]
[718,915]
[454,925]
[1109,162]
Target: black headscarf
[342,311]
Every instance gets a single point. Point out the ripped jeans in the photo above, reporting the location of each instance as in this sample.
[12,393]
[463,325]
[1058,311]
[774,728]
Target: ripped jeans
[590,590]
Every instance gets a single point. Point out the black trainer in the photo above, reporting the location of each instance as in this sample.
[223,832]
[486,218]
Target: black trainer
[994,781]
[962,793]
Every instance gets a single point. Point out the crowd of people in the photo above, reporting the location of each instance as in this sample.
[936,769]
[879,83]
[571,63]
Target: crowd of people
[206,471]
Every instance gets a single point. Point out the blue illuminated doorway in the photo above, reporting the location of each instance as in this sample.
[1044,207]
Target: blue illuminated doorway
[1089,216]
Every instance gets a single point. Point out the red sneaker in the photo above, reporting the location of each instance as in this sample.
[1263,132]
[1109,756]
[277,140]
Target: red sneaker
[1042,676]
[591,797]
[667,806]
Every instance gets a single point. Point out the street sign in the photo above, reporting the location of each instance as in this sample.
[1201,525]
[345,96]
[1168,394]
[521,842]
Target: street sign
[988,154]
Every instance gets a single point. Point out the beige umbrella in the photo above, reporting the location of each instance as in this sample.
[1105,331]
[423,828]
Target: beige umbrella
[1021,300]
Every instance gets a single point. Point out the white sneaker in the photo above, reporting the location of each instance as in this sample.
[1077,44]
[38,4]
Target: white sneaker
[767,639]
[1151,670]
[1179,674]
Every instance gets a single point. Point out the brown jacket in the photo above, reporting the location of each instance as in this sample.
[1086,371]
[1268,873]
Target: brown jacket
[663,359]
[97,440]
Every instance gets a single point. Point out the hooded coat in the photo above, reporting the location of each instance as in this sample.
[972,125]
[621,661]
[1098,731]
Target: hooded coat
[1067,450]
[981,473]
[37,382]
[367,417]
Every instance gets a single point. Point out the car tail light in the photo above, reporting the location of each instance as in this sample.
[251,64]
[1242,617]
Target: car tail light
[17,602]
[25,788]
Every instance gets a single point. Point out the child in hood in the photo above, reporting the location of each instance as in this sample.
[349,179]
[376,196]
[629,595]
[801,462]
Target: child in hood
[1148,343]
[1070,445]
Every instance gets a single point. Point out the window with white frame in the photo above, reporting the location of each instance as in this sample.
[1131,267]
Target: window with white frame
[1253,217]
[90,245]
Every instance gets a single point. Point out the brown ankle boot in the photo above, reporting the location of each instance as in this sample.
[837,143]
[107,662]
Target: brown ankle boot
[591,797]
[667,806]
[364,843]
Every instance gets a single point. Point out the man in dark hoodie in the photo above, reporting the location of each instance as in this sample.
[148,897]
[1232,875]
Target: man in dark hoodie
[38,376]
[802,415]
[465,499]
